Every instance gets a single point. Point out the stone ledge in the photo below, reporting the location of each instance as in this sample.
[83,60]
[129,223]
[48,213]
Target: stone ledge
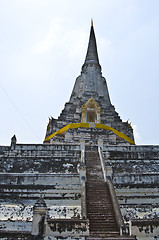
[145,222]
[67,227]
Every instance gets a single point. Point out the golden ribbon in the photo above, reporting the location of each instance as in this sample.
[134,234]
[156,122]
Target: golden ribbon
[90,125]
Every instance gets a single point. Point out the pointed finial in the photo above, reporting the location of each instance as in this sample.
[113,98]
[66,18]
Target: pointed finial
[92,54]
[91,22]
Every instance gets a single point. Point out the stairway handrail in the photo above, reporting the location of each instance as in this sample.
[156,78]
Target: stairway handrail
[117,211]
[102,163]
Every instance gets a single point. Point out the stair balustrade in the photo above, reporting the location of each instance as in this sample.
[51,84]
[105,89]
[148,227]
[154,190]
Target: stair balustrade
[118,215]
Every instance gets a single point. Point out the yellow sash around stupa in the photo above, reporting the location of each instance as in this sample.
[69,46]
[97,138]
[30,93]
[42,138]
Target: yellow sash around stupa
[90,125]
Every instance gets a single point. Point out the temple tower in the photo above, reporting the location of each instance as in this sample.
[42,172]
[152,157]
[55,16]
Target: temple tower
[89,103]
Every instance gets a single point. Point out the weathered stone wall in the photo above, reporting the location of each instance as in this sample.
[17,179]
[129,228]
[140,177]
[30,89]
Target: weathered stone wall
[51,171]
[21,191]
[31,171]
[135,174]
[40,158]
[132,160]
[12,226]
[54,186]
[67,227]
[145,229]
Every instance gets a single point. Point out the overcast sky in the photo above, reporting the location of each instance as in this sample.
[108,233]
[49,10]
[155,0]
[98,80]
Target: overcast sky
[43,45]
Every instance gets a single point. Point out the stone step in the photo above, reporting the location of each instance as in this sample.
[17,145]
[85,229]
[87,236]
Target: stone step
[99,189]
[92,187]
[97,217]
[96,170]
[105,226]
[102,226]
[102,206]
[102,223]
[93,217]
[99,231]
[95,190]
[101,219]
[100,213]
[95,193]
[110,223]
[103,197]
[105,233]
[105,210]
[95,186]
[97,209]
[100,203]
[97,200]
[111,238]
[100,216]
[100,199]
[100,210]
[94,177]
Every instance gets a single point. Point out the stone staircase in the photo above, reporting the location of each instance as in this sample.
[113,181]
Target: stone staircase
[99,205]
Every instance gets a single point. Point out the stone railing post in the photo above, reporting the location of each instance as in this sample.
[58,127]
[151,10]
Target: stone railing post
[100,143]
[82,142]
[13,142]
[39,214]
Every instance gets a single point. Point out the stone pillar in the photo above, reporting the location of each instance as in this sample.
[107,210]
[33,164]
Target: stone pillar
[100,143]
[82,142]
[109,171]
[39,213]
[130,226]
[13,142]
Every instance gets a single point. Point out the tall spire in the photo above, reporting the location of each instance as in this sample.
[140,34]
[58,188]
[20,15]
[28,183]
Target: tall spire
[92,53]
[91,22]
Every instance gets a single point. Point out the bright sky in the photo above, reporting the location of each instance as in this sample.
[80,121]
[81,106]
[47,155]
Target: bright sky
[43,45]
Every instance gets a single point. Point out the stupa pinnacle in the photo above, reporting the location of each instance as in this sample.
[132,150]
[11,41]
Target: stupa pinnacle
[92,53]
[91,83]
[89,102]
